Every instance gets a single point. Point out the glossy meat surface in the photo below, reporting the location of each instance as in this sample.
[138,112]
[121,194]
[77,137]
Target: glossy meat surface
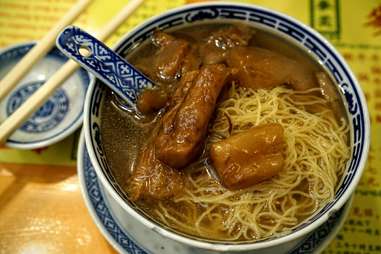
[262,68]
[190,71]
[170,56]
[326,86]
[151,100]
[151,179]
[250,157]
[215,48]
[184,126]
[183,87]
[230,37]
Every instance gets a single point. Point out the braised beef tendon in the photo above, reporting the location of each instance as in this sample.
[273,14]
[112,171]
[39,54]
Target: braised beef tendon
[174,57]
[262,68]
[182,88]
[180,138]
[169,57]
[214,49]
[151,179]
[151,100]
[230,37]
[184,126]
[249,157]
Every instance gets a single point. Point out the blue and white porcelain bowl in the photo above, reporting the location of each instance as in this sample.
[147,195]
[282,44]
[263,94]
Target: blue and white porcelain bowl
[262,19]
[127,235]
[60,116]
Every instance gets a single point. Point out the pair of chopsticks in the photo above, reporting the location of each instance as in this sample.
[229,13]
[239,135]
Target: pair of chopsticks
[37,99]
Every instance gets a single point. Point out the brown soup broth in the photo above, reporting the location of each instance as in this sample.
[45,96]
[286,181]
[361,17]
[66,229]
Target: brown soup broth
[124,134]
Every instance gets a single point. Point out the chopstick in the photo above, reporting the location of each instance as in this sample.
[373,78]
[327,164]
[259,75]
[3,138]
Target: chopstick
[40,49]
[37,99]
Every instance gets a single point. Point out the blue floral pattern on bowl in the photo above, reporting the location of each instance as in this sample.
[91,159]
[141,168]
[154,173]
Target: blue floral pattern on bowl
[48,116]
[62,113]
[262,19]
[98,203]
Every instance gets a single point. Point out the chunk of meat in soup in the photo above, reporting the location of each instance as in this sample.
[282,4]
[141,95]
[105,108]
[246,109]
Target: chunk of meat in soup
[151,179]
[168,64]
[330,106]
[151,100]
[184,126]
[214,49]
[330,94]
[191,61]
[169,58]
[250,157]
[262,68]
[183,87]
[230,37]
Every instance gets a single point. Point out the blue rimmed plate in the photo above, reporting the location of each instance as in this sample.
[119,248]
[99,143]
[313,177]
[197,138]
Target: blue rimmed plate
[125,235]
[294,32]
[60,116]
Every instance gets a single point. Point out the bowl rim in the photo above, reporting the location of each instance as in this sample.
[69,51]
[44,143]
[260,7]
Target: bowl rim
[243,246]
[76,123]
[81,154]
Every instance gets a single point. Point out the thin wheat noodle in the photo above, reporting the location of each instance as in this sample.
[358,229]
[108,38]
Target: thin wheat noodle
[316,152]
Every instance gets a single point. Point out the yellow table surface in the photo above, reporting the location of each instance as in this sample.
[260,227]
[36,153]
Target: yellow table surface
[41,207]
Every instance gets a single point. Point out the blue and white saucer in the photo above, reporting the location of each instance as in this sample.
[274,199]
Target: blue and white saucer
[126,236]
[60,116]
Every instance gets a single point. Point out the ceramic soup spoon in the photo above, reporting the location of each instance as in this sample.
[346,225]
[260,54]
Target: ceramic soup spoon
[112,69]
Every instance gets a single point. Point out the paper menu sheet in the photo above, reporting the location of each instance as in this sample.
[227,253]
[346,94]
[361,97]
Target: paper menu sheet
[354,27]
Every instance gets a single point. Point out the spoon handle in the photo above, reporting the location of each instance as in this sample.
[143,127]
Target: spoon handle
[93,55]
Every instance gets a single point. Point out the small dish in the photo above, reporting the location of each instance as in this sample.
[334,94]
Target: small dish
[125,236]
[60,116]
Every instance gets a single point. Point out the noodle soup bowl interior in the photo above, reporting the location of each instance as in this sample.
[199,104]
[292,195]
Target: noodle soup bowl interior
[275,23]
